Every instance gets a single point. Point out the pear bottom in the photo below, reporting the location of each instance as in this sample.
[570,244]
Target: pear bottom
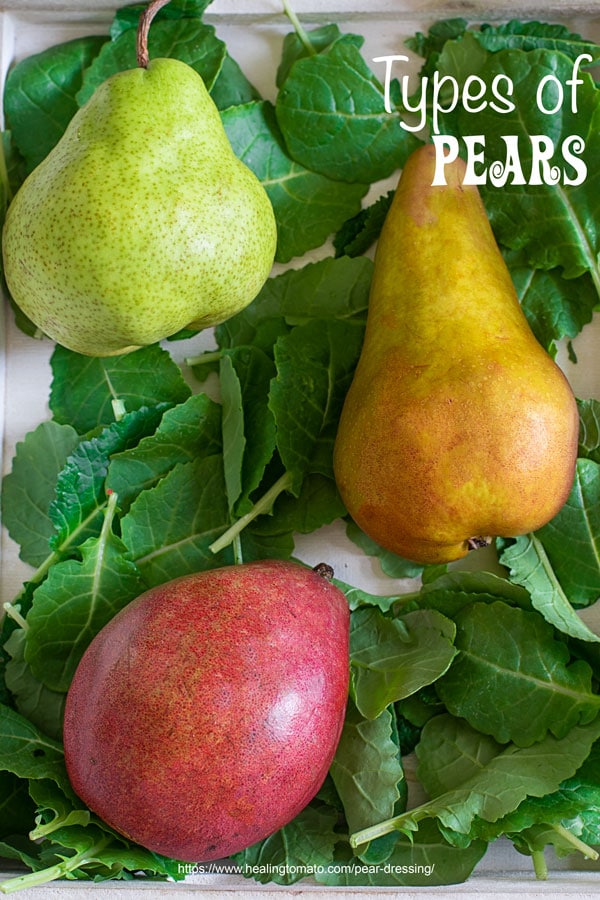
[432,475]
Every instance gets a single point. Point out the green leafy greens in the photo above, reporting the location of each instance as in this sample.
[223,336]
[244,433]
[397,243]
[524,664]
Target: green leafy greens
[140,475]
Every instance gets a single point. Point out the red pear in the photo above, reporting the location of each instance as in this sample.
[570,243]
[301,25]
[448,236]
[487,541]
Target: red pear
[206,714]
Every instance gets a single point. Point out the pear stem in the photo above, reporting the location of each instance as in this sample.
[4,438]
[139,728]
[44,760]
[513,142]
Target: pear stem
[143,28]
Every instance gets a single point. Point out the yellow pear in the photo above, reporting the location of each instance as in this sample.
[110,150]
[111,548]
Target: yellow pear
[458,426]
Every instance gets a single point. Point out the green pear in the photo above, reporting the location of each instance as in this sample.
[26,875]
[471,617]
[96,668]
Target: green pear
[458,426]
[141,221]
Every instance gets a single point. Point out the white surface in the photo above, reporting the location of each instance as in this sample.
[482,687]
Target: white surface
[253,31]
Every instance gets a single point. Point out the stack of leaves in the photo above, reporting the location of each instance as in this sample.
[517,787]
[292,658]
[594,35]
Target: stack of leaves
[490,679]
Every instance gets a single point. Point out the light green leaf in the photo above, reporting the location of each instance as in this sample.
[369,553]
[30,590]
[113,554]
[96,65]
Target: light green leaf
[75,601]
[169,528]
[531,686]
[571,539]
[589,429]
[308,206]
[529,565]
[331,110]
[315,363]
[84,387]
[307,842]
[367,769]
[28,489]
[393,658]
[496,787]
[186,432]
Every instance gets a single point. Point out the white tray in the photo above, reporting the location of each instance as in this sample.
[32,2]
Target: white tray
[253,31]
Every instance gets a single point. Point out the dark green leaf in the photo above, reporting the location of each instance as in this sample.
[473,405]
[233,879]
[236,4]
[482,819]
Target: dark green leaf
[576,798]
[517,35]
[552,224]
[357,597]
[302,846]
[450,592]
[315,363]
[39,95]
[328,289]
[84,388]
[424,860]
[317,504]
[75,601]
[331,111]
[16,808]
[393,658]
[27,752]
[169,528]
[555,307]
[248,425]
[189,40]
[430,45]
[38,703]
[367,769]
[357,235]
[489,781]
[308,206]
[234,439]
[77,508]
[589,429]
[186,432]
[530,566]
[572,538]
[29,488]
[320,39]
[129,16]
[231,87]
[532,687]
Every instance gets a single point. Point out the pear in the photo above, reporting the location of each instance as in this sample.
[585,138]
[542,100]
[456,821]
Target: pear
[205,715]
[141,221]
[458,426]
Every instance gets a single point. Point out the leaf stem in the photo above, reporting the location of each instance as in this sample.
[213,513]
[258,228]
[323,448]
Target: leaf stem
[539,865]
[302,35]
[238,556]
[52,873]
[263,505]
[576,842]
[373,832]
[209,357]
[119,410]
[14,613]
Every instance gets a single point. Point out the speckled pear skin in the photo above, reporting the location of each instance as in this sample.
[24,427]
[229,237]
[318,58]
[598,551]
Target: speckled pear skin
[141,221]
[458,425]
